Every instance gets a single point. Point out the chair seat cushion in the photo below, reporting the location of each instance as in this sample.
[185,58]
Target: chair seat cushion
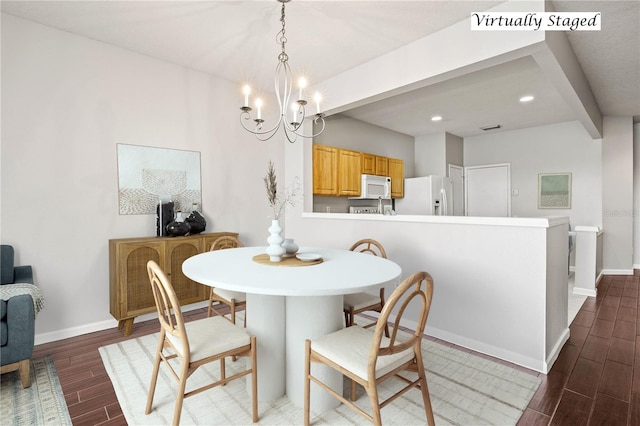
[360,301]
[351,347]
[228,294]
[212,336]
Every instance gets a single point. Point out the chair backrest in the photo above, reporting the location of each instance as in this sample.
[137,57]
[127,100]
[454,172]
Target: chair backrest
[417,288]
[226,242]
[370,246]
[168,307]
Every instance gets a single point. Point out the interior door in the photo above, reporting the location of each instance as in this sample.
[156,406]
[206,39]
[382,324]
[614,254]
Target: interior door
[488,190]
[456,173]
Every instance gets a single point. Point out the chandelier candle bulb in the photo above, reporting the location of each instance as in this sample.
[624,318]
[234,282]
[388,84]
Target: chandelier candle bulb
[317,98]
[247,91]
[259,106]
[302,83]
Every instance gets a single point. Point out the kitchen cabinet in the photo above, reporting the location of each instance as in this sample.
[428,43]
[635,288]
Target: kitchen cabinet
[368,164]
[325,170]
[382,166]
[130,292]
[349,172]
[396,172]
[337,171]
[375,165]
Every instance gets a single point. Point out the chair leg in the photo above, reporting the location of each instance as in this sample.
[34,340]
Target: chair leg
[233,311]
[232,306]
[180,396]
[426,399]
[154,375]
[307,384]
[372,391]
[23,368]
[210,310]
[353,390]
[254,379]
[351,317]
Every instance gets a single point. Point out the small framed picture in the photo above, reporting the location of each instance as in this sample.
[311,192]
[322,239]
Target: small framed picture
[554,190]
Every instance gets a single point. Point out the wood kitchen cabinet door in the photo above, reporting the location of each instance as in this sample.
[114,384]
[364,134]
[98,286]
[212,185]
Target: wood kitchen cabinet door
[368,164]
[382,166]
[396,172]
[325,170]
[349,168]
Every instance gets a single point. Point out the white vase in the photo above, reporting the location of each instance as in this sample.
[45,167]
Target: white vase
[290,246]
[275,249]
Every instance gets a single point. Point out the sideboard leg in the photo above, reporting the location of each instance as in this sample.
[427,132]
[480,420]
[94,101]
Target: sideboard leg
[126,325]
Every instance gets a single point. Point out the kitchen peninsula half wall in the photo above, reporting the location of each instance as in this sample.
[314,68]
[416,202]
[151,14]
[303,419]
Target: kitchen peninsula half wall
[501,284]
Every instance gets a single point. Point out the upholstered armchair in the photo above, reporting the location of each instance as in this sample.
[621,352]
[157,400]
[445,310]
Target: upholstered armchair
[17,318]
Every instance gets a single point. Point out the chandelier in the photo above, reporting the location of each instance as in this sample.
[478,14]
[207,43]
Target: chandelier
[283,86]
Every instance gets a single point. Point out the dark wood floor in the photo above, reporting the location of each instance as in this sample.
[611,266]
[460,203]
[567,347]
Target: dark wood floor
[595,381]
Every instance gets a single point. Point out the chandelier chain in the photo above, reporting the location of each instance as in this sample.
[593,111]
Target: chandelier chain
[282,38]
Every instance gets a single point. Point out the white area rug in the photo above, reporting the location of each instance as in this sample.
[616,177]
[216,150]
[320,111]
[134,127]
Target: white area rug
[465,390]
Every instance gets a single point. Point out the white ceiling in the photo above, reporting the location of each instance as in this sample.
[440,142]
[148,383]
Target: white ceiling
[236,40]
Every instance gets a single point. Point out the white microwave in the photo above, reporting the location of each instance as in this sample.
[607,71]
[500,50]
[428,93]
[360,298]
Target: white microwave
[374,187]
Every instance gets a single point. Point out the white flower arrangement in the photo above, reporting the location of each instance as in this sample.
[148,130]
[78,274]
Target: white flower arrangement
[276,202]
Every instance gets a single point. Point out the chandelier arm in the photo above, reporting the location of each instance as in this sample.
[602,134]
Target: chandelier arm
[245,115]
[319,119]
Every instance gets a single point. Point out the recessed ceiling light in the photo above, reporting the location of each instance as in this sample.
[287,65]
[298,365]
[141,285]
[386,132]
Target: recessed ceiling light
[527,98]
[436,118]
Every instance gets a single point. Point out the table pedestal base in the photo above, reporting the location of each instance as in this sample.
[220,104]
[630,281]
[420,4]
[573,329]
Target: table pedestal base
[265,320]
[310,318]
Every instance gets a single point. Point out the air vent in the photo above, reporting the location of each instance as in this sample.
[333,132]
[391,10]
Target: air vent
[493,127]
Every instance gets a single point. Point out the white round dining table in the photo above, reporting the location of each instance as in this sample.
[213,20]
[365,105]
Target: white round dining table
[288,304]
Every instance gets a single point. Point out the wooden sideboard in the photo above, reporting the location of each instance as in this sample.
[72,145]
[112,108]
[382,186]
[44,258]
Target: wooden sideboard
[130,292]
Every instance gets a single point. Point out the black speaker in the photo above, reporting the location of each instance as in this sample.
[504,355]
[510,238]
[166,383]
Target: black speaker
[165,214]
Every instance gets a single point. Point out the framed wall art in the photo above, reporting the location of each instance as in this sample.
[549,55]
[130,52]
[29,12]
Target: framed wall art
[554,190]
[147,175]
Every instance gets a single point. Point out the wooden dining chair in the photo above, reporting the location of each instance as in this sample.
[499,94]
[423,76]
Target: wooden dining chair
[361,302]
[196,343]
[367,357]
[233,299]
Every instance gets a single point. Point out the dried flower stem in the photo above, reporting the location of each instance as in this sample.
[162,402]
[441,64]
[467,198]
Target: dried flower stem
[291,193]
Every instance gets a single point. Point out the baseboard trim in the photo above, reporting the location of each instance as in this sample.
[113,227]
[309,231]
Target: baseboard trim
[617,272]
[531,363]
[585,292]
[555,351]
[66,333]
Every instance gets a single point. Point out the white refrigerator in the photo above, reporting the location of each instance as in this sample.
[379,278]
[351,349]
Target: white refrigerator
[430,195]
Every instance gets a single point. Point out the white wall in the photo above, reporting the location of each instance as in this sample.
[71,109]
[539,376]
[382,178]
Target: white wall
[347,133]
[430,155]
[564,147]
[617,194]
[66,102]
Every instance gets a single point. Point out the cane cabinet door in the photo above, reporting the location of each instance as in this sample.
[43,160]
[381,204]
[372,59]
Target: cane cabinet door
[137,297]
[177,251]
